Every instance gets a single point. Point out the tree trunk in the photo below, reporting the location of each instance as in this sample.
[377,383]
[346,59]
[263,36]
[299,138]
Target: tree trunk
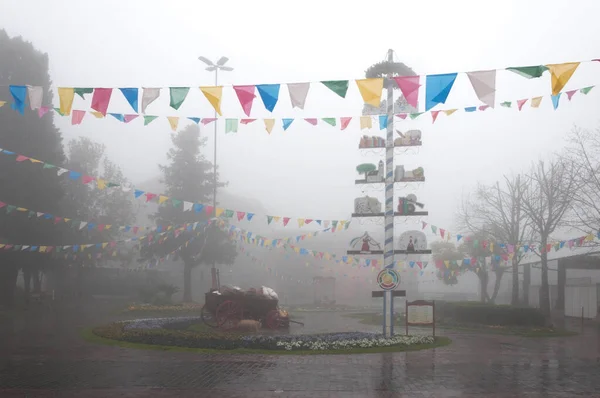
[187,281]
[8,283]
[483,280]
[36,275]
[26,284]
[515,281]
[499,274]
[545,288]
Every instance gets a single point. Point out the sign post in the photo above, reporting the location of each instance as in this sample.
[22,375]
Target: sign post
[420,313]
[388,280]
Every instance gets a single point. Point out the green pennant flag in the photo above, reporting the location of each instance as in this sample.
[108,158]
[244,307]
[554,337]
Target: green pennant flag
[340,87]
[228,213]
[148,119]
[269,219]
[329,120]
[30,214]
[112,185]
[586,90]
[176,202]
[81,91]
[413,116]
[529,72]
[48,166]
[58,111]
[178,95]
[434,229]
[506,104]
[10,208]
[231,125]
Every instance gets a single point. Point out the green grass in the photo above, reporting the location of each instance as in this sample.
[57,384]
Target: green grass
[371,318]
[88,335]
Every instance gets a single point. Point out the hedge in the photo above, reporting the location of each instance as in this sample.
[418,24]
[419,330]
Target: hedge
[488,314]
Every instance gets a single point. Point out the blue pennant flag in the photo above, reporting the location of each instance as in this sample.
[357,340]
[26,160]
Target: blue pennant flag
[471,109]
[19,94]
[118,116]
[555,100]
[131,95]
[194,119]
[383,121]
[286,123]
[73,175]
[437,88]
[269,93]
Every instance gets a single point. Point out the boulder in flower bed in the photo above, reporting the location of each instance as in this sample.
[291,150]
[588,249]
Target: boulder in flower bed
[171,332]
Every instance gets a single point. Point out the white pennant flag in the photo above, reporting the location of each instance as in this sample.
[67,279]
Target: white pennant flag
[61,171]
[149,96]
[82,224]
[187,206]
[484,84]
[298,93]
[36,94]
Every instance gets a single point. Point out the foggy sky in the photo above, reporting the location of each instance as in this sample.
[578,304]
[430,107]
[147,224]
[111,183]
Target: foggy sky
[309,171]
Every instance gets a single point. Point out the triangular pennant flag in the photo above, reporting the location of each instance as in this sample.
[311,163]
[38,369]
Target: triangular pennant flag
[484,84]
[213,95]
[529,72]
[413,116]
[97,115]
[366,122]
[450,111]
[409,85]
[536,101]
[173,121]
[586,90]
[561,73]
[298,93]
[178,95]
[312,121]
[506,104]
[36,95]
[345,121]
[208,120]
[246,96]
[2,103]
[437,88]
[148,119]
[82,91]
[247,121]
[194,119]
[269,93]
[65,96]
[370,90]
[131,95]
[286,123]
[434,115]
[329,120]
[340,87]
[231,125]
[555,100]
[269,123]
[570,94]
[149,95]
[383,122]
[118,116]
[19,94]
[100,99]
[520,103]
[128,118]
[471,109]
[401,116]
[77,117]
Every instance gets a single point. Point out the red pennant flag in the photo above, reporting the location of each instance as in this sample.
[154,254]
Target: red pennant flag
[209,209]
[100,99]
[246,96]
[101,227]
[286,219]
[128,118]
[57,220]
[21,158]
[308,221]
[135,230]
[150,196]
[345,121]
[2,204]
[240,215]
[434,115]
[87,179]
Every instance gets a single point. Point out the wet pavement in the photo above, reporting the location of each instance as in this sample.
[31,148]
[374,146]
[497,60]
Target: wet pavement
[42,355]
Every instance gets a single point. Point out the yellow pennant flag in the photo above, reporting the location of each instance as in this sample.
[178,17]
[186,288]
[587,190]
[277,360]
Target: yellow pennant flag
[219,211]
[370,90]
[561,73]
[100,183]
[366,122]
[269,123]
[66,94]
[107,226]
[22,209]
[98,115]
[104,245]
[589,238]
[2,103]
[450,112]
[536,101]
[492,247]
[162,199]
[35,160]
[173,121]
[301,222]
[297,249]
[276,218]
[447,263]
[213,95]
[43,249]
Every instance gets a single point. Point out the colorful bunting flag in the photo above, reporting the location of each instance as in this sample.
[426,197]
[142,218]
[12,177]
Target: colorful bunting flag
[131,95]
[561,73]
[269,93]
[36,95]
[555,100]
[173,122]
[345,121]
[340,87]
[231,126]
[246,96]
[82,91]
[370,90]
[213,95]
[529,72]
[77,117]
[286,123]
[65,96]
[269,123]
[536,101]
[149,95]
[148,119]
[437,88]
[178,95]
[484,84]
[409,85]
[19,93]
[298,93]
[101,99]
[366,122]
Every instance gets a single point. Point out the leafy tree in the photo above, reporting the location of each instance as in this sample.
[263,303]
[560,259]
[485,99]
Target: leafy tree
[189,176]
[443,251]
[365,168]
[25,184]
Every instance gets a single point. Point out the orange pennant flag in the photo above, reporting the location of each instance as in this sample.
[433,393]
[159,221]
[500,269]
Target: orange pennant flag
[213,95]
[561,73]
[370,90]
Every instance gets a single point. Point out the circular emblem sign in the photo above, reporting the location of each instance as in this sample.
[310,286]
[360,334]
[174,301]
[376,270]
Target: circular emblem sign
[388,279]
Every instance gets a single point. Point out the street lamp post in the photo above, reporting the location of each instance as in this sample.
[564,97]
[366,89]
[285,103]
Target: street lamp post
[215,67]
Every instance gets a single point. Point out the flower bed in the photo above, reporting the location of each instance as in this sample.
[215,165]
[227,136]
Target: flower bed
[187,307]
[172,332]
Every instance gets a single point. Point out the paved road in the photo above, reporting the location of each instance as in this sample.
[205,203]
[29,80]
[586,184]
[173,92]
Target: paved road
[42,356]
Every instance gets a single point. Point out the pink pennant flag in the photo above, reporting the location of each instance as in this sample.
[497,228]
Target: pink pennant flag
[286,220]
[570,94]
[150,196]
[208,120]
[483,107]
[520,103]
[247,121]
[442,232]
[424,224]
[434,115]
[209,209]
[21,158]
[409,85]
[312,121]
[87,179]
[57,220]
[345,121]
[42,110]
[240,215]
[77,117]
[2,204]
[101,227]
[100,99]
[128,118]
[402,115]
[246,96]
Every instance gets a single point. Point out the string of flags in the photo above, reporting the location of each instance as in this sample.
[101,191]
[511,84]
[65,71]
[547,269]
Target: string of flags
[232,125]
[101,183]
[437,89]
[512,249]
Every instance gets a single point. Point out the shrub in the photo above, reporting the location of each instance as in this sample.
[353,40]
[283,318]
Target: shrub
[488,314]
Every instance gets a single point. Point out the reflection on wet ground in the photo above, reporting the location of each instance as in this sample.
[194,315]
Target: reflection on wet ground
[42,356]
